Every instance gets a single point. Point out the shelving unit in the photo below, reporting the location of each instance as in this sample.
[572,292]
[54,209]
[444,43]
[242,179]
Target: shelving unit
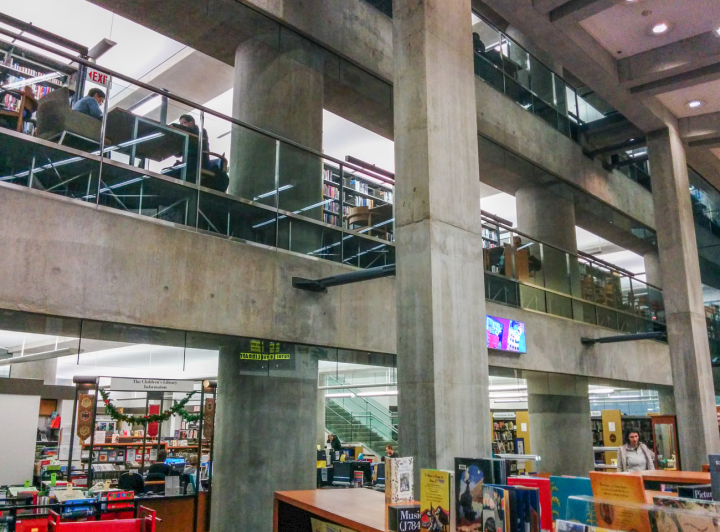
[597,430]
[17,64]
[118,456]
[504,434]
[359,191]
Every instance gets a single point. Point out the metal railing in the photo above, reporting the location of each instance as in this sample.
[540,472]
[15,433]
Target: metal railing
[360,428]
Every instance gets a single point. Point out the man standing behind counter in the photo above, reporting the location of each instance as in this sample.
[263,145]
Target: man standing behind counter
[90,105]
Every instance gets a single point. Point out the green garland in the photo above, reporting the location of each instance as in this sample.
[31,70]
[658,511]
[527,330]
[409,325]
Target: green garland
[177,409]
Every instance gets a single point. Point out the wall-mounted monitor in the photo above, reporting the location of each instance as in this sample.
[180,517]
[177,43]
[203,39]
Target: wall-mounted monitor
[506,335]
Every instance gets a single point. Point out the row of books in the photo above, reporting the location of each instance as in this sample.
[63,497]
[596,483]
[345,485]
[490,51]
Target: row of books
[120,456]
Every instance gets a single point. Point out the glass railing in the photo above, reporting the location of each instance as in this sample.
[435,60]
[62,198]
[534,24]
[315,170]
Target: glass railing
[528,274]
[161,156]
[357,428]
[385,421]
[637,170]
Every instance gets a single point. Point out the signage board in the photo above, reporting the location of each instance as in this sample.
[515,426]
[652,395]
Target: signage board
[98,78]
[505,335]
[151,385]
[504,415]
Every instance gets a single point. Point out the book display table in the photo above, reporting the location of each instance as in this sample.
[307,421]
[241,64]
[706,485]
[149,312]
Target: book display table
[358,509]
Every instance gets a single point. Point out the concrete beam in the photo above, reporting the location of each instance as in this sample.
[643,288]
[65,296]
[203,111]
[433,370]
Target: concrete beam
[577,10]
[699,127]
[672,64]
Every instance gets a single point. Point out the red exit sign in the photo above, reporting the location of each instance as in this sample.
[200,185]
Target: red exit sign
[98,77]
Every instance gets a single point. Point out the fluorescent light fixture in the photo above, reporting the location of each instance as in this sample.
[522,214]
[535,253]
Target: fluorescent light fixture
[30,81]
[147,106]
[499,387]
[694,104]
[601,391]
[503,395]
[717,32]
[378,394]
[660,28]
[272,192]
[338,395]
[525,246]
[522,400]
[46,355]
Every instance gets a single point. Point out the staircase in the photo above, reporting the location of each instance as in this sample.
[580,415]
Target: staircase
[356,428]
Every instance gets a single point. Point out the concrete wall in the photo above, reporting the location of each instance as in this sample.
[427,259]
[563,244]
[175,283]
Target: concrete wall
[67,258]
[503,121]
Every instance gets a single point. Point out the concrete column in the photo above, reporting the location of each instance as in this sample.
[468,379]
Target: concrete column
[653,271]
[45,370]
[548,214]
[687,333]
[443,403]
[320,415]
[278,87]
[560,426]
[667,401]
[265,435]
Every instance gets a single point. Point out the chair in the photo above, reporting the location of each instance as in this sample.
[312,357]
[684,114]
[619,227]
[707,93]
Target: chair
[27,103]
[364,217]
[57,121]
[132,482]
[216,179]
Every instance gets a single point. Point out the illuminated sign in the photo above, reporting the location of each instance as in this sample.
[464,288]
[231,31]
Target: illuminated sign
[505,335]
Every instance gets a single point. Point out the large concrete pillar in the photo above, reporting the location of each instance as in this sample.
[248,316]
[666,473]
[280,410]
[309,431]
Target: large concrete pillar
[279,87]
[687,331]
[547,213]
[264,432]
[653,270]
[443,404]
[560,426]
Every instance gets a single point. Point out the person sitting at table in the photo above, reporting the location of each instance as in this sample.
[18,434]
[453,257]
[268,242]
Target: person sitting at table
[160,467]
[187,123]
[90,105]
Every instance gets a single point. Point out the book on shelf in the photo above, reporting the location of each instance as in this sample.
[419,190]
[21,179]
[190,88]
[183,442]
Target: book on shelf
[542,487]
[622,488]
[437,500]
[470,477]
[496,508]
[399,479]
[561,488]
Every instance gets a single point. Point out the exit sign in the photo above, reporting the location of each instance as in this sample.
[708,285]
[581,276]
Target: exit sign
[98,77]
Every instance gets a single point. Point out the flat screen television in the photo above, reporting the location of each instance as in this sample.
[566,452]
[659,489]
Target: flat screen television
[506,335]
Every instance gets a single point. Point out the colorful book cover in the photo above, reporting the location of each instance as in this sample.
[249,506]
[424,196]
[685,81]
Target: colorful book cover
[399,479]
[714,460]
[543,487]
[672,514]
[580,510]
[496,509]
[621,488]
[470,476]
[437,500]
[528,509]
[563,487]
[568,526]
[701,491]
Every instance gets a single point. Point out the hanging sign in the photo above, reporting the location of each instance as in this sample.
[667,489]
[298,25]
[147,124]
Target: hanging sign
[153,428]
[150,385]
[86,402]
[98,78]
[209,419]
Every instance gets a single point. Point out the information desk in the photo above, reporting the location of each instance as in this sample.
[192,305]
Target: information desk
[359,509]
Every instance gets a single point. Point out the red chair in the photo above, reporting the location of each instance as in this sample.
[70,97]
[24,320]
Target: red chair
[144,523]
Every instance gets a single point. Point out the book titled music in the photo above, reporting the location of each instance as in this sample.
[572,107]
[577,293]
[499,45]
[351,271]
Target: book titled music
[437,500]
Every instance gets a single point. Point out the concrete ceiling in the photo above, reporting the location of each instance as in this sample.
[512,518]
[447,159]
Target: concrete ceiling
[608,45]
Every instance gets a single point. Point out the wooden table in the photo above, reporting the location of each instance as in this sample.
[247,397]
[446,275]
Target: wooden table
[653,479]
[360,509]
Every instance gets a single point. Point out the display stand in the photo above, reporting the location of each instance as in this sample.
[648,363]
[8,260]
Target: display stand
[361,510]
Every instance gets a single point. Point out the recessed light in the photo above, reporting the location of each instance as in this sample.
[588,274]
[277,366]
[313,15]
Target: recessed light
[660,28]
[717,31]
[694,104]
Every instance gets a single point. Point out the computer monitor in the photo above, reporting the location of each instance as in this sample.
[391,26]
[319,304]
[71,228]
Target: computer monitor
[380,468]
[365,468]
[177,465]
[342,472]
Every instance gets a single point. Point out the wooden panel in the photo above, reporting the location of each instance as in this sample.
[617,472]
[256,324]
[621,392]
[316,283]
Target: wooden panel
[177,514]
[47,406]
[612,438]
[522,418]
[675,477]
[360,509]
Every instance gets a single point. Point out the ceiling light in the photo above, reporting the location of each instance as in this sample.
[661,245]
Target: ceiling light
[339,395]
[377,394]
[660,28]
[717,31]
[694,104]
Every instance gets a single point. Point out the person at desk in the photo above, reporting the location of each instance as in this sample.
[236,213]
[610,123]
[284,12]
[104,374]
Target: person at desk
[389,452]
[160,467]
[334,441]
[90,105]
[187,123]
[634,455]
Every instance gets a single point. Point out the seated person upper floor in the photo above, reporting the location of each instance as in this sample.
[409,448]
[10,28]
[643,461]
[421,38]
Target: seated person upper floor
[90,104]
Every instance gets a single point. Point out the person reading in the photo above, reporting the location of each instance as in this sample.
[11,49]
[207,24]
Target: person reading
[90,105]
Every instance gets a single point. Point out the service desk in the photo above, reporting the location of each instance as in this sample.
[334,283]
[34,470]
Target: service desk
[177,512]
[359,509]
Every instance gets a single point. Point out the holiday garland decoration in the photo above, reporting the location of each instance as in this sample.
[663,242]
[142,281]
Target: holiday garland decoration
[177,409]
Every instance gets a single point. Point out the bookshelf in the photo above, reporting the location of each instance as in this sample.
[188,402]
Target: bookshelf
[504,435]
[17,64]
[110,460]
[358,192]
